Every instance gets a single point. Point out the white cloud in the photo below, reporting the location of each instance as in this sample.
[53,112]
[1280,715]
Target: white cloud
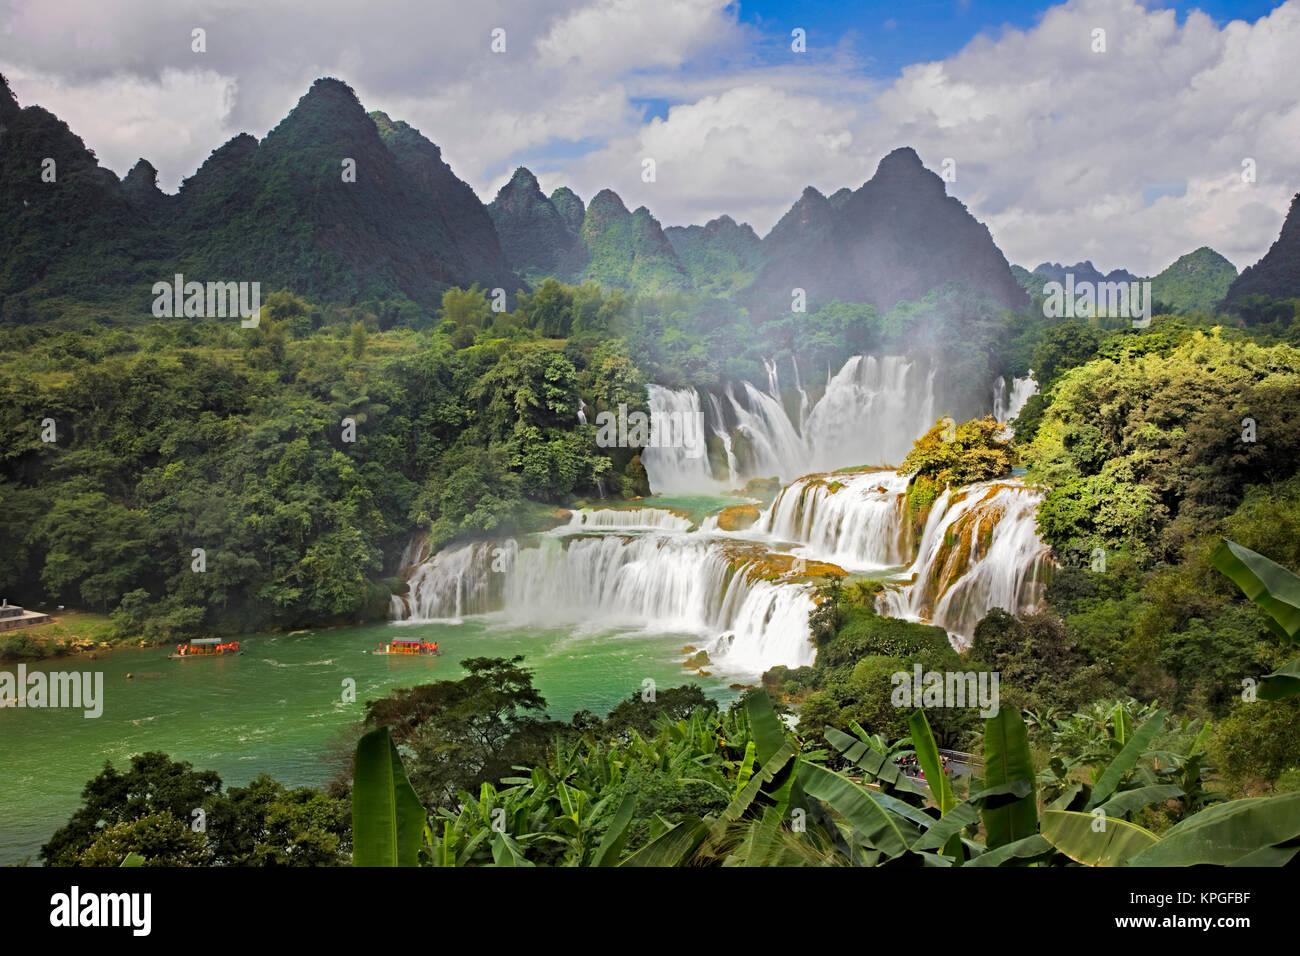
[1055,144]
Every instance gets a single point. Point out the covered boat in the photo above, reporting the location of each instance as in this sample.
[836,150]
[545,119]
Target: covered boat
[412,648]
[205,647]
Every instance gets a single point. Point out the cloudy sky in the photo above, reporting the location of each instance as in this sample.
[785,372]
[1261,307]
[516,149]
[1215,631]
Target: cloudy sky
[1129,157]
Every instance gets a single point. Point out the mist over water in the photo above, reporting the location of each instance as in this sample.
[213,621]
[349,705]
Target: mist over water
[745,593]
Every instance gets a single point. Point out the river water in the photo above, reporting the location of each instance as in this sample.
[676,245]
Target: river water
[279,708]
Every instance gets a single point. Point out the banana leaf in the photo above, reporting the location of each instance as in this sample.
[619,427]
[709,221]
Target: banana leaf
[611,844]
[1073,833]
[1125,760]
[942,831]
[1274,589]
[673,847]
[1031,849]
[927,755]
[388,820]
[746,769]
[1227,834]
[740,803]
[506,851]
[875,826]
[1006,760]
[1126,801]
[1281,683]
[767,731]
[871,762]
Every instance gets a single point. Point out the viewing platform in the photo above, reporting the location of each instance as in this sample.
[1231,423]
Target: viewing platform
[13,617]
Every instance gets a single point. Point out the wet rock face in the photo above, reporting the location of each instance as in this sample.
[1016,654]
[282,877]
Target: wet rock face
[737,517]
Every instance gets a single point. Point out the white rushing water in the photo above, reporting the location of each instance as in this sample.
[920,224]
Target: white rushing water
[1008,402]
[980,550]
[667,582]
[741,592]
[858,521]
[871,411]
[643,519]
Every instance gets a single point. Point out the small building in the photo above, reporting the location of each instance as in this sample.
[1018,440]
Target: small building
[13,617]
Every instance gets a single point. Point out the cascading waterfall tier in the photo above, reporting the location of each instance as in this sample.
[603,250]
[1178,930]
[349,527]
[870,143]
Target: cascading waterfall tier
[637,519]
[453,583]
[858,521]
[980,550]
[871,411]
[744,600]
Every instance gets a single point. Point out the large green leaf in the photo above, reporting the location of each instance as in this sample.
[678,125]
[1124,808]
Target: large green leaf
[927,755]
[672,847]
[1094,840]
[506,851]
[611,844]
[1126,759]
[1274,589]
[770,768]
[942,831]
[764,725]
[132,859]
[872,762]
[1126,801]
[1006,760]
[1029,850]
[1227,833]
[388,820]
[876,827]
[1281,683]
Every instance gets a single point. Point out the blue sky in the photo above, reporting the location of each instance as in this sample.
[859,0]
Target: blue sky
[889,36]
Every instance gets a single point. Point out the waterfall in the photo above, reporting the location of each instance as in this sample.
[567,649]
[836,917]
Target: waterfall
[873,409]
[645,519]
[773,382]
[675,469]
[670,582]
[1008,402]
[980,550]
[804,405]
[454,583]
[871,412]
[858,521]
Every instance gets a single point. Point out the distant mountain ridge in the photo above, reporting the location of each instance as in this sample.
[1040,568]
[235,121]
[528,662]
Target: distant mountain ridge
[1082,271]
[346,206]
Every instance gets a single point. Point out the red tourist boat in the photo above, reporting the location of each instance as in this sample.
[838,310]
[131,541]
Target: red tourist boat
[411,648]
[205,647]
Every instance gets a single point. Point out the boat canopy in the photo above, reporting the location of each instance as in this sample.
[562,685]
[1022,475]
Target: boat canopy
[204,641]
[404,641]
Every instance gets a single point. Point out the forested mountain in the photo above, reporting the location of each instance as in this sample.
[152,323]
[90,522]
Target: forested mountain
[895,238]
[1277,274]
[1195,281]
[285,211]
[535,235]
[721,256]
